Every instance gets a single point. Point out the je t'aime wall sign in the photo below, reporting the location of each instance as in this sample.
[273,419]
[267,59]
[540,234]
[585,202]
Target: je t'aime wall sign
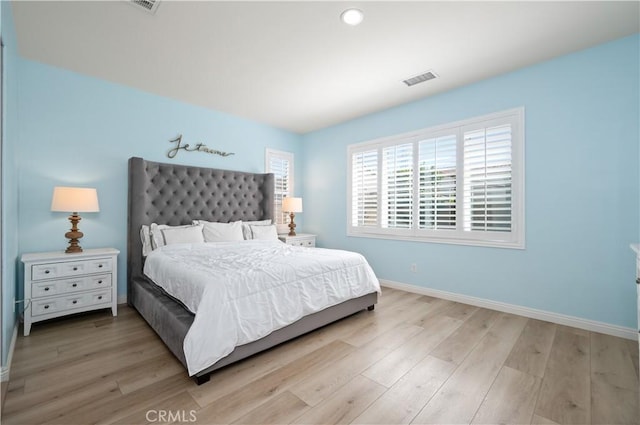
[199,147]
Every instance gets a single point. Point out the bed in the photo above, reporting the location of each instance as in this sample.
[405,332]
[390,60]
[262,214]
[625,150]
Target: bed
[175,195]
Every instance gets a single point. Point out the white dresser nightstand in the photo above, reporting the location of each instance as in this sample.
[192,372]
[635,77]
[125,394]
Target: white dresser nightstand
[636,249]
[300,239]
[57,284]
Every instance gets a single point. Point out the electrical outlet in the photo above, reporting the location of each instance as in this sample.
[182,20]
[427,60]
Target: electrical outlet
[414,268]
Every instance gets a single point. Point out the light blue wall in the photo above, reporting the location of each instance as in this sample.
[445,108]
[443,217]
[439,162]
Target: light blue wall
[9,177]
[80,131]
[582,185]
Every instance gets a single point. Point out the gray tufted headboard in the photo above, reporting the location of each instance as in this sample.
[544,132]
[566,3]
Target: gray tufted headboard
[176,194]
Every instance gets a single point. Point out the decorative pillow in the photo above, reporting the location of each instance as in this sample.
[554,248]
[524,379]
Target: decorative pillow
[192,234]
[246,227]
[158,238]
[264,232]
[145,237]
[221,232]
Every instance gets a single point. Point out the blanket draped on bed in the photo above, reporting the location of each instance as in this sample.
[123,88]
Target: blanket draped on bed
[242,291]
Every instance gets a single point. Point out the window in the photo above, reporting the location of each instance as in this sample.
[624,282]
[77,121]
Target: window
[459,183]
[364,172]
[281,165]
[437,183]
[397,186]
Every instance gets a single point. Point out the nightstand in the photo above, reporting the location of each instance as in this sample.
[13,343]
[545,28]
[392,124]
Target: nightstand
[636,249]
[300,239]
[57,284]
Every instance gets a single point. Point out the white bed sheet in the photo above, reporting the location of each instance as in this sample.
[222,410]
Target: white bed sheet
[242,291]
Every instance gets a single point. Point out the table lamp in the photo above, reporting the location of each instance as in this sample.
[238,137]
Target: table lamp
[74,200]
[292,205]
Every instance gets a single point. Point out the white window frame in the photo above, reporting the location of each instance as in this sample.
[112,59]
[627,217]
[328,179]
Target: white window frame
[513,239]
[281,220]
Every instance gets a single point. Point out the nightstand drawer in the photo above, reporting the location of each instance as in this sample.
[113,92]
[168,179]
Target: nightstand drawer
[301,239]
[71,268]
[302,242]
[57,287]
[69,302]
[38,308]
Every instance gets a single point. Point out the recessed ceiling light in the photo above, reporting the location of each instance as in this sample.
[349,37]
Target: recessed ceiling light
[352,16]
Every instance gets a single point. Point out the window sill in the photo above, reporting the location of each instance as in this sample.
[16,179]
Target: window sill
[451,241]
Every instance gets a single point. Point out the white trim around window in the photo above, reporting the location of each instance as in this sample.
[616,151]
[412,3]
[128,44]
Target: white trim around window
[458,183]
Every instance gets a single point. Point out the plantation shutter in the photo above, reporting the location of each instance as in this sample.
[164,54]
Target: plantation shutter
[282,168]
[488,179]
[460,183]
[397,186]
[364,189]
[437,183]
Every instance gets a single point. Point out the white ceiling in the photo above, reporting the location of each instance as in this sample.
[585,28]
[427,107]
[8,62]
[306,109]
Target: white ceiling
[295,65]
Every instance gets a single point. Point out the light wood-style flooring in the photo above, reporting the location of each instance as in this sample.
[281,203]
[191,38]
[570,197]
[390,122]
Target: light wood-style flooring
[415,359]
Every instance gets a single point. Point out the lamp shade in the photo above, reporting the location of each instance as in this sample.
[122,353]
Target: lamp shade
[75,199]
[292,204]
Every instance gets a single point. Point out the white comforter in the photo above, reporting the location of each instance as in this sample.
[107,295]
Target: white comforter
[242,291]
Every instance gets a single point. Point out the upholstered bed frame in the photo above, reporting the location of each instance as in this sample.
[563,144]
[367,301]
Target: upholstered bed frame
[176,194]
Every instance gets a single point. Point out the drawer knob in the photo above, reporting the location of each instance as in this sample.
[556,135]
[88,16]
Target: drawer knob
[100,297]
[99,266]
[46,272]
[74,285]
[46,306]
[75,268]
[75,301]
[99,282]
[46,289]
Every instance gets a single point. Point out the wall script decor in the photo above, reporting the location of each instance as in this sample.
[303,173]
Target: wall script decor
[200,147]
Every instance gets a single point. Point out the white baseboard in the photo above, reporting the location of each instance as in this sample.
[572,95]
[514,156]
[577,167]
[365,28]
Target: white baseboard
[4,374]
[561,319]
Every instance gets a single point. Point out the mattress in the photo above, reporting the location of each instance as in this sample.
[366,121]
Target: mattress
[241,291]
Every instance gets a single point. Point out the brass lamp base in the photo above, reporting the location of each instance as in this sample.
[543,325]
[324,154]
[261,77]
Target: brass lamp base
[292,225]
[74,235]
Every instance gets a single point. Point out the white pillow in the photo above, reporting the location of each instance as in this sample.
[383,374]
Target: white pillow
[156,233]
[221,232]
[192,234]
[145,237]
[246,227]
[264,232]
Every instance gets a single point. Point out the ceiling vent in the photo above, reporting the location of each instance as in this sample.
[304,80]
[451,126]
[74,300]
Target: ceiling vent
[429,75]
[148,5]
